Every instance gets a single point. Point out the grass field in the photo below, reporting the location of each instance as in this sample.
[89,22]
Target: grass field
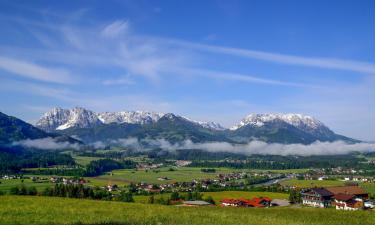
[370,187]
[47,210]
[181,174]
[312,183]
[6,185]
[284,171]
[84,160]
[217,196]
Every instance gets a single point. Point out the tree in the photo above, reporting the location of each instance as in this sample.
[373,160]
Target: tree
[189,196]
[32,191]
[151,199]
[175,196]
[14,191]
[210,200]
[295,196]
[126,197]
[23,190]
[47,191]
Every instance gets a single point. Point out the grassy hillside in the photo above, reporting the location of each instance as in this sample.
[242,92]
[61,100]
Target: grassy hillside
[218,196]
[43,210]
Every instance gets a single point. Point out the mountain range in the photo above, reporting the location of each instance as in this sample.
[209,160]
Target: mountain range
[90,127]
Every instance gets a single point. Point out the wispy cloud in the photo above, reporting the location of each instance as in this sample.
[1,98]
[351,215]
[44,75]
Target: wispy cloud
[123,80]
[253,147]
[34,71]
[46,144]
[116,28]
[240,77]
[319,62]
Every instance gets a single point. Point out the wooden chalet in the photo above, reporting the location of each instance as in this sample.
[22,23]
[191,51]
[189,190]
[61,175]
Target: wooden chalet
[317,197]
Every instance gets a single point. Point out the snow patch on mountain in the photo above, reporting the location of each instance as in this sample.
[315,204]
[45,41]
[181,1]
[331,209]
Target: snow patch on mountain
[60,119]
[134,117]
[297,120]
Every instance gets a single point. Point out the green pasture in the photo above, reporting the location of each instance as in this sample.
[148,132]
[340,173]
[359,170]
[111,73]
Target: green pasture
[312,183]
[218,196]
[151,176]
[6,185]
[27,210]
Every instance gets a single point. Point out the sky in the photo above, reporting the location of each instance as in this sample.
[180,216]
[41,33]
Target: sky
[207,60]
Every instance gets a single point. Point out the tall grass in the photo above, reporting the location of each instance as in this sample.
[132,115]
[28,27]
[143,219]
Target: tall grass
[47,210]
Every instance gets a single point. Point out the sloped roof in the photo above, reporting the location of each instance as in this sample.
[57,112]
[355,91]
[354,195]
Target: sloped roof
[349,190]
[322,191]
[343,197]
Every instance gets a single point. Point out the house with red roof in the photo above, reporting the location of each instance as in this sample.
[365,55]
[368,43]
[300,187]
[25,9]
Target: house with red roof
[347,202]
[258,202]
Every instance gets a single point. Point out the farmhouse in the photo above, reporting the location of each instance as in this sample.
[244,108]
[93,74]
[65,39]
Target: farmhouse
[358,192]
[317,197]
[343,197]
[347,202]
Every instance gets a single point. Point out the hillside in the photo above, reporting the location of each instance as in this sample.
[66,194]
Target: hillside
[48,210]
[13,129]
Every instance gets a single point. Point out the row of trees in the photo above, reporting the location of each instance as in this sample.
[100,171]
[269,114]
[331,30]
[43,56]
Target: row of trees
[73,191]
[94,168]
[97,167]
[178,197]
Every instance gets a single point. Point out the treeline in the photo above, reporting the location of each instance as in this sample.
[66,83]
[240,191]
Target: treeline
[14,158]
[94,168]
[282,162]
[74,172]
[177,197]
[108,154]
[98,167]
[73,191]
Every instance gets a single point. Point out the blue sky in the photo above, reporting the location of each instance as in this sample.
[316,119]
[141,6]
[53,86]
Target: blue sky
[207,60]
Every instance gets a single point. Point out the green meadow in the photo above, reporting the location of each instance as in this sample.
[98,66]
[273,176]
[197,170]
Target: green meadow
[218,196]
[6,185]
[151,176]
[312,183]
[27,210]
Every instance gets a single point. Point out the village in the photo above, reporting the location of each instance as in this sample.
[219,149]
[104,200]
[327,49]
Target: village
[349,196]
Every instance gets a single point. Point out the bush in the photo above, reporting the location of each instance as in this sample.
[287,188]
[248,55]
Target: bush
[22,190]
[32,191]
[14,191]
[210,200]
[175,196]
[126,197]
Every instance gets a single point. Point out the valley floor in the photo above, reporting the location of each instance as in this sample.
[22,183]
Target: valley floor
[48,210]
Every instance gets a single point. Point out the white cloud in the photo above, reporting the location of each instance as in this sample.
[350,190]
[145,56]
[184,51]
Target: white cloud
[46,144]
[319,62]
[34,71]
[124,80]
[239,77]
[116,28]
[255,147]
